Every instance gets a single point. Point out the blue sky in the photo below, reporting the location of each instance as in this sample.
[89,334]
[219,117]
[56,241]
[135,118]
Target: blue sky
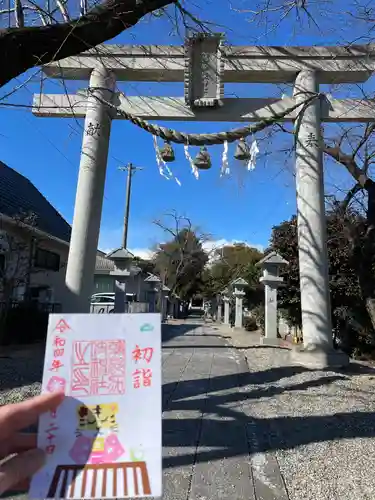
[243,207]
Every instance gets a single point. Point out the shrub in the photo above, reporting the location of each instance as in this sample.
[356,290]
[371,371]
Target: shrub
[250,324]
[258,315]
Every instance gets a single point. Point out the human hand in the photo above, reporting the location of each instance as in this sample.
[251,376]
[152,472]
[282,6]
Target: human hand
[15,472]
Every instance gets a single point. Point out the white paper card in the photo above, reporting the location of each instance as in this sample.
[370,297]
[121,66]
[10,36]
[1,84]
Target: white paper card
[104,441]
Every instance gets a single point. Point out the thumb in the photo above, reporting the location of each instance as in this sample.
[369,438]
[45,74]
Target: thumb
[20,467]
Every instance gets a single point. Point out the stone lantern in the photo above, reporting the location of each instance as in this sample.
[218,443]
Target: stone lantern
[238,286]
[156,287]
[164,290]
[271,280]
[154,283]
[122,259]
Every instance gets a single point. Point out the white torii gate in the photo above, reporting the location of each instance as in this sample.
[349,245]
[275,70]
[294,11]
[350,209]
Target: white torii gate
[205,65]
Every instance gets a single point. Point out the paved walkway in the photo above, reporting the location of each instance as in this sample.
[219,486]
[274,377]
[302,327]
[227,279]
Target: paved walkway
[213,449]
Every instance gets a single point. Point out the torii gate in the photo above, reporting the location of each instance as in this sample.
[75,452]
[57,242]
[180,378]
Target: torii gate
[205,65]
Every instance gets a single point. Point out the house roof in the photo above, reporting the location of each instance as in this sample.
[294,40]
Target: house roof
[18,195]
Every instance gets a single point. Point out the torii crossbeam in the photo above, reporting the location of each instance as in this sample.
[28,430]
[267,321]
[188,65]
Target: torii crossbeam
[205,65]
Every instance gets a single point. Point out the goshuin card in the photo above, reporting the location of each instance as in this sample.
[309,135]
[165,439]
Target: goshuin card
[104,441]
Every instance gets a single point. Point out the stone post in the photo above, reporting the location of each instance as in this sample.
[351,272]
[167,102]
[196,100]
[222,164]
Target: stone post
[164,302]
[152,301]
[120,296]
[312,233]
[239,294]
[239,308]
[271,280]
[90,192]
[271,320]
[226,301]
[219,312]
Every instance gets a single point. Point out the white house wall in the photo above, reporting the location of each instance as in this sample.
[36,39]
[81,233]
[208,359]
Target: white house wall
[53,279]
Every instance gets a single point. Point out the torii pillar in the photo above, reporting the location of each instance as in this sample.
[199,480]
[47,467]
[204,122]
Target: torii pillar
[317,351]
[90,192]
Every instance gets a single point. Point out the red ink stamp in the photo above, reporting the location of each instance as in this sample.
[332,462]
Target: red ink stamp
[98,368]
[56,384]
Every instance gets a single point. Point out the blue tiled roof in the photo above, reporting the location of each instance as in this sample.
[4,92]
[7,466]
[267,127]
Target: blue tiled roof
[18,195]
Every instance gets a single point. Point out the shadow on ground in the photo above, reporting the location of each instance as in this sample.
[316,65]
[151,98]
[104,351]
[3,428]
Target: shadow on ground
[227,424]
[227,427]
[171,331]
[222,429]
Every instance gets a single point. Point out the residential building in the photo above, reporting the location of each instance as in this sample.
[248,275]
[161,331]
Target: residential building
[34,241]
[34,248]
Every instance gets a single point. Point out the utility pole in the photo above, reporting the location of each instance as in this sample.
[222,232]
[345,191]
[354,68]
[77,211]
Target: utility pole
[130,169]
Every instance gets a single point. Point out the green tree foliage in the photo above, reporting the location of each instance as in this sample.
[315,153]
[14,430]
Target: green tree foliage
[351,320]
[147,266]
[229,263]
[180,263]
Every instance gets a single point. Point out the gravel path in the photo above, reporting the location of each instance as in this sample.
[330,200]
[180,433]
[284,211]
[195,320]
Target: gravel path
[320,424]
[21,374]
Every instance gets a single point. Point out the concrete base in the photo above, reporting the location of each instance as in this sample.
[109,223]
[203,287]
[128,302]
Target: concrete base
[316,358]
[271,341]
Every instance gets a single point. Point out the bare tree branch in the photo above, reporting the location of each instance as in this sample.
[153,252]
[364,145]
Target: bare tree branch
[24,48]
[349,162]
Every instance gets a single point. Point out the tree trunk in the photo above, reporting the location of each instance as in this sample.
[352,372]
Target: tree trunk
[25,48]
[370,307]
[364,255]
